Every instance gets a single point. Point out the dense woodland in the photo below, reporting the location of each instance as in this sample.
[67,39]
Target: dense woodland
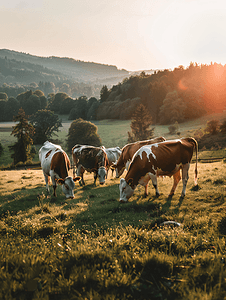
[169,96]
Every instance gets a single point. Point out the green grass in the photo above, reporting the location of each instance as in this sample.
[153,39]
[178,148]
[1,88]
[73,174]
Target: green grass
[93,247]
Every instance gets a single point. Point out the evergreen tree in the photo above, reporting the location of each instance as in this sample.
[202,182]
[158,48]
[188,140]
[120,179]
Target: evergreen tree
[23,132]
[141,121]
[104,93]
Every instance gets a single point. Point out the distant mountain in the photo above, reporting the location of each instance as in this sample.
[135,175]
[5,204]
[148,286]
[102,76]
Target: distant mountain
[23,68]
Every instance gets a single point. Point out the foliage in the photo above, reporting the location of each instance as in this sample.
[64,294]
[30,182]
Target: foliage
[45,123]
[57,101]
[84,133]
[104,93]
[23,131]
[79,109]
[223,126]
[10,109]
[141,121]
[173,109]
[212,126]
[3,96]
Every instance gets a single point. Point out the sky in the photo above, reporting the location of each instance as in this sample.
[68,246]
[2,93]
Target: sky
[130,34]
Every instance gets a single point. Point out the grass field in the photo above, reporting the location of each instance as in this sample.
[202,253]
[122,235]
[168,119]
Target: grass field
[93,247]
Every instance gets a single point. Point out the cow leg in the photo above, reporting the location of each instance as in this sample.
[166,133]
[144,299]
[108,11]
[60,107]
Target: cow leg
[176,178]
[47,182]
[185,177]
[80,171]
[53,178]
[154,182]
[95,177]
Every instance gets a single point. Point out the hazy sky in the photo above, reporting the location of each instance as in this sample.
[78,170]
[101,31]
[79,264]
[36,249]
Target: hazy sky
[131,34]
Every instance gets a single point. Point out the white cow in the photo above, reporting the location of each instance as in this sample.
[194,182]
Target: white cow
[56,164]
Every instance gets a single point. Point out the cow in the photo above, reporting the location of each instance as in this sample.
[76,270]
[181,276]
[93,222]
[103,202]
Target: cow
[160,159]
[128,151]
[56,164]
[113,155]
[91,159]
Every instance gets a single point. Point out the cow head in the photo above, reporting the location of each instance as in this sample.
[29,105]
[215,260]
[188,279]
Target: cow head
[119,169]
[68,185]
[101,174]
[126,189]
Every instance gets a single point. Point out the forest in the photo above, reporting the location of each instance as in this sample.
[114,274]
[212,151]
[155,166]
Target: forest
[169,96]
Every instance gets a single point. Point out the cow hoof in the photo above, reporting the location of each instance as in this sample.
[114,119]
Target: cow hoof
[122,201]
[157,195]
[170,197]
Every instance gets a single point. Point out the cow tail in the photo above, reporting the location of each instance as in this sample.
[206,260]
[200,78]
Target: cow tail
[72,164]
[196,164]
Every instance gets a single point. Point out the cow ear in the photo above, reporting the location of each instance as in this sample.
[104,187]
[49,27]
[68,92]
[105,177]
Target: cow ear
[76,178]
[130,182]
[60,181]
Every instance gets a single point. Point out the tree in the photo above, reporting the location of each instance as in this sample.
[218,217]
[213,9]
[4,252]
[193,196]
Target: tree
[93,105]
[11,109]
[141,121]
[67,105]
[80,109]
[32,104]
[45,123]
[84,133]
[3,96]
[213,126]
[104,93]
[23,131]
[56,101]
[173,109]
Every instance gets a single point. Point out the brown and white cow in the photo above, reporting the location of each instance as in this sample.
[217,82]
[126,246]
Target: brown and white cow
[129,150]
[161,159]
[91,159]
[56,164]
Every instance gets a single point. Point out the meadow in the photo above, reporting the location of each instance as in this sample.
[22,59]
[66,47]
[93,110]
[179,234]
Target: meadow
[93,247]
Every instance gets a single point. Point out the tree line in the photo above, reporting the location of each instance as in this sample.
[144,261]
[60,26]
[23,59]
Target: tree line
[168,96]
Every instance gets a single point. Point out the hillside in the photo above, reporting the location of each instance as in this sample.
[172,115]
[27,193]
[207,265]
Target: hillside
[22,68]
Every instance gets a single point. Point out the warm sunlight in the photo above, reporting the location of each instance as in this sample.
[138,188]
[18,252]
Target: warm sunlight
[191,31]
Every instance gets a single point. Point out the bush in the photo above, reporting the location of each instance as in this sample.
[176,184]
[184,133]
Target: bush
[84,133]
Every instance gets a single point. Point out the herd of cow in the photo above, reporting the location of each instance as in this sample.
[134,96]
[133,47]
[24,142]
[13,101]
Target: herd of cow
[144,161]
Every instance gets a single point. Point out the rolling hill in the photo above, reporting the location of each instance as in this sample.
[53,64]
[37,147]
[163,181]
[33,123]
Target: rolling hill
[23,68]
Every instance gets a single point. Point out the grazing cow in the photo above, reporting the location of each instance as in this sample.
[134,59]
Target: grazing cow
[162,159]
[113,155]
[56,164]
[91,159]
[129,150]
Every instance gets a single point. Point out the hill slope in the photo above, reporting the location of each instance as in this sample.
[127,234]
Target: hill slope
[22,66]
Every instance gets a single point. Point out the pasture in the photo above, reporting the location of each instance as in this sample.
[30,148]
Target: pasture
[93,247]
